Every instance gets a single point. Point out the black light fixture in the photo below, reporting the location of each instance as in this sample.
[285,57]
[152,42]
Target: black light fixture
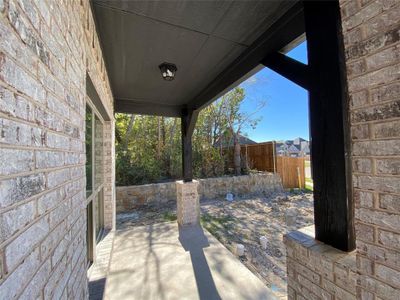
[168,71]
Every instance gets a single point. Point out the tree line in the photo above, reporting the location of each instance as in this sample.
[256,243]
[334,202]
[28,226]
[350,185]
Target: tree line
[148,148]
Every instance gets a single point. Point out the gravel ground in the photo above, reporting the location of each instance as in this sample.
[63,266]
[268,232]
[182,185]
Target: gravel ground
[244,221]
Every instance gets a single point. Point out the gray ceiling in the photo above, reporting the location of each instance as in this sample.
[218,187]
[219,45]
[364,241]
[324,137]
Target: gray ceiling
[203,38]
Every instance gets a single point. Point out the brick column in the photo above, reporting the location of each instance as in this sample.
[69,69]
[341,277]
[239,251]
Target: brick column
[316,270]
[372,43]
[188,207]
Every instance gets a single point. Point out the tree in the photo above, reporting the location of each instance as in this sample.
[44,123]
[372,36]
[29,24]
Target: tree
[148,148]
[236,120]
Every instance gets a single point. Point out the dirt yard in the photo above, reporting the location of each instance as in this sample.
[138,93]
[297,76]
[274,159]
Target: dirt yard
[244,222]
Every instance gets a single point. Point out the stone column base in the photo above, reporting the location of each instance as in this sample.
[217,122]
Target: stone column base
[188,206]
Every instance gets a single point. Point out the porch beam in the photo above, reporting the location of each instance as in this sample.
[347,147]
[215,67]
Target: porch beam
[284,31]
[288,67]
[147,108]
[329,126]
[188,122]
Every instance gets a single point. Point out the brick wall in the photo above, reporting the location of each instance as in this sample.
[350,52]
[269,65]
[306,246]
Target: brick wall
[371,35]
[46,50]
[316,270]
[371,32]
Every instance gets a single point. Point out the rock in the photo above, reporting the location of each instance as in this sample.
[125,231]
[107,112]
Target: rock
[291,216]
[249,256]
[229,197]
[263,242]
[239,250]
[282,198]
[127,216]
[275,206]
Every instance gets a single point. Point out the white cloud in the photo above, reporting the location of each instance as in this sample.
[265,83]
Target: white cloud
[250,81]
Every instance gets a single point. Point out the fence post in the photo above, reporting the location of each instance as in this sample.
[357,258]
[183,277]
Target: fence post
[247,159]
[274,155]
[298,176]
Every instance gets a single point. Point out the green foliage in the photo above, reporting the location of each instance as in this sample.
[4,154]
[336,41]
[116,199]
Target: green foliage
[169,216]
[88,147]
[148,148]
[217,226]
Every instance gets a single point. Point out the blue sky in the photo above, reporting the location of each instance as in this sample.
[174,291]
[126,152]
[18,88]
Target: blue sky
[285,115]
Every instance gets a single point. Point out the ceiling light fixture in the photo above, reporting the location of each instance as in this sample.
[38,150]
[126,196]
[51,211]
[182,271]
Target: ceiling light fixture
[168,71]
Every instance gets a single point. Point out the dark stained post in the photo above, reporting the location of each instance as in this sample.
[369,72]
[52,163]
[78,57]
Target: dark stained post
[288,67]
[188,122]
[330,141]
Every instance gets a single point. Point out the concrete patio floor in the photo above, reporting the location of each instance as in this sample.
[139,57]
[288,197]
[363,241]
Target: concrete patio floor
[162,261]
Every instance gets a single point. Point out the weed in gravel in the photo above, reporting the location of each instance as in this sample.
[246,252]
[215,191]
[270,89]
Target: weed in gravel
[169,216]
[217,226]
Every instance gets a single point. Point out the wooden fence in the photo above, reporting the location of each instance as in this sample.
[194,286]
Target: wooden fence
[291,170]
[262,157]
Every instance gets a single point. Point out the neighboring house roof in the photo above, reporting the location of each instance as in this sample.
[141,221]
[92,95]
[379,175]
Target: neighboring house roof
[298,141]
[306,148]
[229,142]
[288,142]
[281,147]
[293,149]
[296,146]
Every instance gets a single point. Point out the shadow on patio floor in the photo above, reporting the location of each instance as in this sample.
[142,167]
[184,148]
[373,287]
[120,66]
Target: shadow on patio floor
[96,289]
[193,240]
[161,261]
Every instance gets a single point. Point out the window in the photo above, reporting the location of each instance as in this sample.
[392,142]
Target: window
[94,179]
[98,152]
[98,212]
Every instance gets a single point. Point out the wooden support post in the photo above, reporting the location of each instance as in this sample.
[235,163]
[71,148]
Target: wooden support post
[188,122]
[330,141]
[288,67]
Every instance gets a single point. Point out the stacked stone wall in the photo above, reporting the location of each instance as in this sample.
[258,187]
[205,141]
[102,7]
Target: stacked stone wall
[130,197]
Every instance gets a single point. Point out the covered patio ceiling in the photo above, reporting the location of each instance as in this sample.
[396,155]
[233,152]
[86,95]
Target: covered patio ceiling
[214,44]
